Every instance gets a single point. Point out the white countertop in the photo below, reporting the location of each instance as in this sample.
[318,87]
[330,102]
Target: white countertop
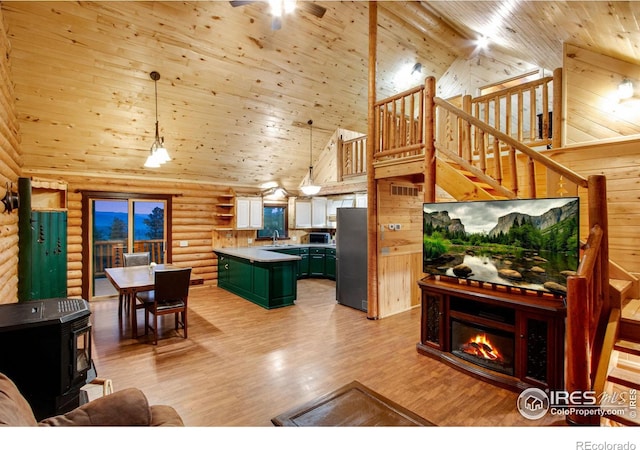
[260,254]
[267,253]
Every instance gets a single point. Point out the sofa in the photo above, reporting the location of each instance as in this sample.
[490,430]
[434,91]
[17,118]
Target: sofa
[127,407]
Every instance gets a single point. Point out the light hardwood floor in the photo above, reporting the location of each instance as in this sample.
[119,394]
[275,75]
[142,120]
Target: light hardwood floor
[243,365]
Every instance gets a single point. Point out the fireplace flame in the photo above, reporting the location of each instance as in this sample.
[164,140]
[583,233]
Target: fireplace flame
[482,347]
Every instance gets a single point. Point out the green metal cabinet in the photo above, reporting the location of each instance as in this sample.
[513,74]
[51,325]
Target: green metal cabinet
[42,259]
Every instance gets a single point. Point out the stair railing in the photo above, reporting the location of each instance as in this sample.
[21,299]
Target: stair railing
[500,163]
[589,306]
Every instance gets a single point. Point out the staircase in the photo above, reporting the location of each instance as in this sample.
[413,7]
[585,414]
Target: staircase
[418,133]
[623,374]
[463,184]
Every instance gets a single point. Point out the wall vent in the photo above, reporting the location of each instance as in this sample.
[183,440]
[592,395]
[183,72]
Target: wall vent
[406,191]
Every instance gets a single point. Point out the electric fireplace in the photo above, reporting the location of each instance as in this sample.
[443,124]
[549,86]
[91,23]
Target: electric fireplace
[45,348]
[486,347]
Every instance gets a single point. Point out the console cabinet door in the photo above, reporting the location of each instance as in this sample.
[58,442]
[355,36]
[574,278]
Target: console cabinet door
[541,350]
[433,326]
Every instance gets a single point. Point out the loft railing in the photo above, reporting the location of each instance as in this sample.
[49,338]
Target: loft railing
[352,158]
[523,111]
[399,124]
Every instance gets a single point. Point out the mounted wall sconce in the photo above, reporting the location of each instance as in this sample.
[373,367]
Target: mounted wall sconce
[625,89]
[310,188]
[11,200]
[416,69]
[158,153]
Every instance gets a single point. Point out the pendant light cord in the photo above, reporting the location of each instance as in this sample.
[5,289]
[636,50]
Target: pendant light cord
[310,122]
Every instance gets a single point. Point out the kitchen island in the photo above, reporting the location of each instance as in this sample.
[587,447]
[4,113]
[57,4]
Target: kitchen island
[266,278]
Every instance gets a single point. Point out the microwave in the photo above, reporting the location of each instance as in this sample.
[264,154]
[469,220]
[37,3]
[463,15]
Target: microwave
[319,238]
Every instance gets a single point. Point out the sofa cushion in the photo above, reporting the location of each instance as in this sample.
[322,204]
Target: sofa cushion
[166,416]
[15,411]
[128,407]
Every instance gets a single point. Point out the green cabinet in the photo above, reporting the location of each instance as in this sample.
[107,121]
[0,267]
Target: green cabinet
[268,284]
[42,250]
[316,262]
[330,263]
[303,264]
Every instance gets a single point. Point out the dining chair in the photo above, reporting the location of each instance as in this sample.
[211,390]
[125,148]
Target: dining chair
[169,296]
[137,259]
[130,260]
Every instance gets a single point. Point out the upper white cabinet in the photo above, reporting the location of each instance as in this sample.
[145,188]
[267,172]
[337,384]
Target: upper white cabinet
[318,212]
[361,200]
[310,213]
[302,210]
[249,213]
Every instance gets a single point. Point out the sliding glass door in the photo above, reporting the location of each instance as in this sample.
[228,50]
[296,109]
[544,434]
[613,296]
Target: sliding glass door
[121,226]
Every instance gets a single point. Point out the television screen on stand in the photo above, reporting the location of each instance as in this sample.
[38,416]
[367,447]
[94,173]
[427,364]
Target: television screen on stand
[525,243]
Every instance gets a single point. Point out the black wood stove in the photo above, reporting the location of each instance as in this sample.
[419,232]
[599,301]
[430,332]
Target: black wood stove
[45,348]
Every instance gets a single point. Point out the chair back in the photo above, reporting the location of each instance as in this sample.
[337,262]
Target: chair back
[172,284]
[136,259]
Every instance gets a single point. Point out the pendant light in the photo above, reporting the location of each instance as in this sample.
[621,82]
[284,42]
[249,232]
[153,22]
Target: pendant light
[158,153]
[310,188]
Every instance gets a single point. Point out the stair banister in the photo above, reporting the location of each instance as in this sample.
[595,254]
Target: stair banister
[546,161]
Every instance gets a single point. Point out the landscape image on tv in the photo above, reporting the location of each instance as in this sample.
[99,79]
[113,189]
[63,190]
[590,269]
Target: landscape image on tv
[527,243]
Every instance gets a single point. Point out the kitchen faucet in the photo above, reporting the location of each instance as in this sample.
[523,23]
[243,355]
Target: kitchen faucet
[276,235]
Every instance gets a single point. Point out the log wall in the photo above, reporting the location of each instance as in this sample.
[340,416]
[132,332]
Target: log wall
[193,220]
[10,163]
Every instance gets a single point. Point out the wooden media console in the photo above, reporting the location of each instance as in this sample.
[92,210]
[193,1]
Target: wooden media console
[507,336]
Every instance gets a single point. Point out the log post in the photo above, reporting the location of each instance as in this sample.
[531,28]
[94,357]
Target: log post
[557,131]
[578,369]
[372,191]
[598,215]
[429,141]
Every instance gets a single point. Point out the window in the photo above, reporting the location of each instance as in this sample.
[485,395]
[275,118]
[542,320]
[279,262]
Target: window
[275,219]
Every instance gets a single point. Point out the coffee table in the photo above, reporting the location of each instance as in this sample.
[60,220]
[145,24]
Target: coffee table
[351,405]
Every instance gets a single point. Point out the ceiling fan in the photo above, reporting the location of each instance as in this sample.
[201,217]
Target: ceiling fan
[281,7]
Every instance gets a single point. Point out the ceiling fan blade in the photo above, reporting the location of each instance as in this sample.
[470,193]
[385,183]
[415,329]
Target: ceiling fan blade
[242,2]
[312,8]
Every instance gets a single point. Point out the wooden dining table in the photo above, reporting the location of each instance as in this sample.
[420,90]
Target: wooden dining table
[131,280]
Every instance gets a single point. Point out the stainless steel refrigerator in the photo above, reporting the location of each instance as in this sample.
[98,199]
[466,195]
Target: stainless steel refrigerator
[351,257]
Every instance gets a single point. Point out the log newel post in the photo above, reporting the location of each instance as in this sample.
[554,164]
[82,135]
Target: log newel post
[372,191]
[429,141]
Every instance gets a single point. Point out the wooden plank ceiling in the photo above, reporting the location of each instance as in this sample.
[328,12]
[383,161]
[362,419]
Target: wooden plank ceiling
[235,95]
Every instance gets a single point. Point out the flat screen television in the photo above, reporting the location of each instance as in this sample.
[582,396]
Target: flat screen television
[526,243]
